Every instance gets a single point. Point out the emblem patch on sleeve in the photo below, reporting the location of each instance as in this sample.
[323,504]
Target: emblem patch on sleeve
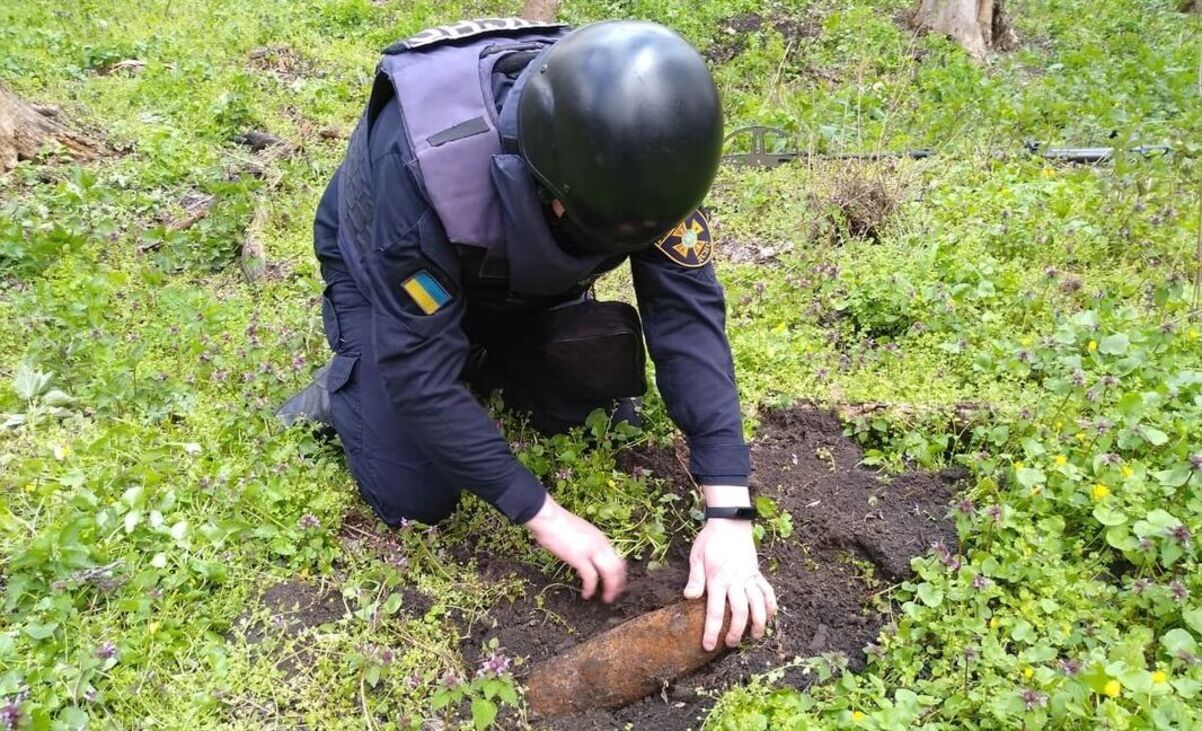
[425,290]
[689,244]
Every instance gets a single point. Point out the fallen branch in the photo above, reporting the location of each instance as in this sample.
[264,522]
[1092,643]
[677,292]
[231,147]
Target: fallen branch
[26,129]
[254,248]
[195,211]
[253,257]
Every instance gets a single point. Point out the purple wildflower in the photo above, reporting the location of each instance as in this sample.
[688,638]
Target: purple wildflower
[386,657]
[1180,534]
[564,474]
[873,650]
[981,583]
[1139,586]
[1093,395]
[1145,544]
[1034,699]
[1103,425]
[1069,667]
[309,522]
[1050,272]
[965,507]
[945,556]
[994,512]
[1187,657]
[495,664]
[971,653]
[1179,591]
[1109,381]
[89,695]
[413,681]
[450,679]
[1071,283]
[10,715]
[1024,356]
[106,650]
[640,472]
[399,560]
[1111,459]
[1195,461]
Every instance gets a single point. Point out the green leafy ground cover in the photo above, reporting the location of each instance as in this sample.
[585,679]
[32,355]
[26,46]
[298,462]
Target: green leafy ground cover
[148,498]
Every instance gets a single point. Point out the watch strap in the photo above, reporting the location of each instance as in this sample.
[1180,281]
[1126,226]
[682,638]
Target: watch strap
[731,513]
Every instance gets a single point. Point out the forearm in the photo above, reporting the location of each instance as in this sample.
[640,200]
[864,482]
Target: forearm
[726,496]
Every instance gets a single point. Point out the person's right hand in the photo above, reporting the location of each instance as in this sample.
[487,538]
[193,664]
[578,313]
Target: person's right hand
[579,544]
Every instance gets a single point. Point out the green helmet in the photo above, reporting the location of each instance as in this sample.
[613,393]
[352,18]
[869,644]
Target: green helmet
[623,125]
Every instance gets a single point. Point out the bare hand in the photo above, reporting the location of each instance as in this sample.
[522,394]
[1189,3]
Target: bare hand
[723,565]
[579,544]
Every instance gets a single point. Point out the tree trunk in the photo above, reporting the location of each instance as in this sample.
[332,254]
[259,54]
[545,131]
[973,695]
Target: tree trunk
[540,10]
[980,26]
[25,129]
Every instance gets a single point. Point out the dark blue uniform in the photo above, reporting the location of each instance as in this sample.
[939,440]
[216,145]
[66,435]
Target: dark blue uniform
[413,433]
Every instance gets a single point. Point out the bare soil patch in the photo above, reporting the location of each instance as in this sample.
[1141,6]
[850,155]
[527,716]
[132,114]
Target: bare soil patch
[734,31]
[840,511]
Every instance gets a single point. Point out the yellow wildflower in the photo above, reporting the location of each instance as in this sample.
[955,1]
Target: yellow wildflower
[1159,676]
[857,716]
[1126,472]
[994,622]
[1100,491]
[1113,689]
[1093,345]
[1028,341]
[1061,460]
[1192,333]
[1019,465]
[1028,672]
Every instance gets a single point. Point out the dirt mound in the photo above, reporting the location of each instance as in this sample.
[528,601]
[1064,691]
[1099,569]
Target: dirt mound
[840,511]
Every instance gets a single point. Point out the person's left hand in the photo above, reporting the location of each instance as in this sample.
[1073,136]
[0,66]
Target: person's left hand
[723,565]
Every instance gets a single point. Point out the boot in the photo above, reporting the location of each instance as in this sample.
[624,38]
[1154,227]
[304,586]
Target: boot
[312,404]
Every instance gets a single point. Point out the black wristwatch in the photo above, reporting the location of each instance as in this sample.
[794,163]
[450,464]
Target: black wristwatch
[731,513]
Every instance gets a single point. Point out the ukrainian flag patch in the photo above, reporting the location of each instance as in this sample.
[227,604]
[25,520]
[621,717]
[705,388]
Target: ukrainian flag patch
[425,290]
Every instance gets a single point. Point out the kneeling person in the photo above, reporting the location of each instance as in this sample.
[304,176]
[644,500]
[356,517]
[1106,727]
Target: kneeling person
[500,168]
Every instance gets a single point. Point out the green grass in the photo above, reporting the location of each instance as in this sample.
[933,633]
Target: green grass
[148,498]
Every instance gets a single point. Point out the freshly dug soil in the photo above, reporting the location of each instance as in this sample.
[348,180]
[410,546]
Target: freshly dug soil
[294,607]
[840,511]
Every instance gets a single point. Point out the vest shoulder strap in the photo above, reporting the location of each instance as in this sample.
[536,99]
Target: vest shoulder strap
[466,30]
[442,82]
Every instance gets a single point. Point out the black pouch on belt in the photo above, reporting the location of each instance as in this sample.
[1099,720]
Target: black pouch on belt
[591,350]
